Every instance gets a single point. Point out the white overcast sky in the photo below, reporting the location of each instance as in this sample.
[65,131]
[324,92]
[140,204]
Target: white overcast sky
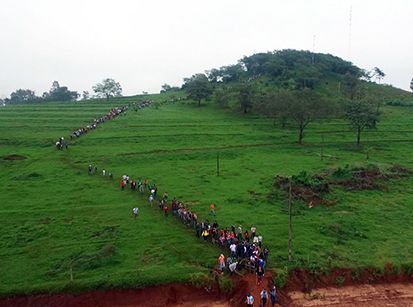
[146,43]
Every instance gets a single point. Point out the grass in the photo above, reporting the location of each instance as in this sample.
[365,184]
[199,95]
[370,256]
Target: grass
[56,219]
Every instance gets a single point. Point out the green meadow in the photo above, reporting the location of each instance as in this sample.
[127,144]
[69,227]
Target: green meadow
[65,230]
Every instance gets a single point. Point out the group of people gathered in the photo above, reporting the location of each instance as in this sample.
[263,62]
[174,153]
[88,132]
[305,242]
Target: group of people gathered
[115,112]
[244,246]
[61,144]
[140,105]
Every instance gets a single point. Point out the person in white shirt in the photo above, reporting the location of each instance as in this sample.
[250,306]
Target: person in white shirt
[250,300]
[233,249]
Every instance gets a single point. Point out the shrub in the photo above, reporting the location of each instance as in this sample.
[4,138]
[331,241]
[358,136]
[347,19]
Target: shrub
[225,284]
[281,277]
[202,280]
[340,281]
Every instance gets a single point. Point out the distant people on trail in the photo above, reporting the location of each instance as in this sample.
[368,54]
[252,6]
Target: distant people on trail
[61,144]
[212,209]
[232,267]
[245,248]
[122,184]
[260,274]
[273,295]
[111,115]
[250,300]
[253,230]
[264,297]
[221,262]
[135,211]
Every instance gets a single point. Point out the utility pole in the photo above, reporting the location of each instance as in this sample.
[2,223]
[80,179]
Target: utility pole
[289,221]
[217,163]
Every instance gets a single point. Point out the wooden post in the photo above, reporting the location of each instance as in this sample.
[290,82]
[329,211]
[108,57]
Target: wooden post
[289,222]
[217,163]
[71,272]
[322,146]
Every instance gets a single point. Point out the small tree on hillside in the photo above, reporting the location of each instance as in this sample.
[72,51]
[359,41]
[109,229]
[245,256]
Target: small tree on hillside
[362,113]
[378,74]
[108,88]
[246,96]
[411,85]
[198,87]
[303,107]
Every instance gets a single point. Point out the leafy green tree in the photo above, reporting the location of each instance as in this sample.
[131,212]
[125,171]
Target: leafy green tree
[108,88]
[223,95]
[303,107]
[59,93]
[362,112]
[246,96]
[411,84]
[24,95]
[198,87]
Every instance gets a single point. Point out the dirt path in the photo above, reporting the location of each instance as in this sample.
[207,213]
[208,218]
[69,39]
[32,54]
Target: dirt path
[361,296]
[395,294]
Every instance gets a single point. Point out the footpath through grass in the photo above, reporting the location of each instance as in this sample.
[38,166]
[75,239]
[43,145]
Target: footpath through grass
[55,217]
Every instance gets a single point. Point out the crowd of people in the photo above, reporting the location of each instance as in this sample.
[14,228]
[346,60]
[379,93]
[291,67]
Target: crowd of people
[244,246]
[265,296]
[115,112]
[140,105]
[61,144]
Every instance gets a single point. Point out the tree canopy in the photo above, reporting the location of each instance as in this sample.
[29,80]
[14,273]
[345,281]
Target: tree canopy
[198,87]
[107,88]
[362,112]
[59,93]
[23,95]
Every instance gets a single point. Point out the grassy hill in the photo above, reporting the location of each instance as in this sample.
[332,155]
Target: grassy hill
[58,220]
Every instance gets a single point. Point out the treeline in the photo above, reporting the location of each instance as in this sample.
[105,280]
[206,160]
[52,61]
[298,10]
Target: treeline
[295,88]
[106,89]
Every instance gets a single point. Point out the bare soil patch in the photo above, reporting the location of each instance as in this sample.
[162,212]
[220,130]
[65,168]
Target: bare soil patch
[14,157]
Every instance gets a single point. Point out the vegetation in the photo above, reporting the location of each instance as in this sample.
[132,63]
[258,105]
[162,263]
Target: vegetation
[197,87]
[108,88]
[64,229]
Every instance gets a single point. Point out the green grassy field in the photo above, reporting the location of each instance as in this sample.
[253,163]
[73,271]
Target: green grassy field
[55,217]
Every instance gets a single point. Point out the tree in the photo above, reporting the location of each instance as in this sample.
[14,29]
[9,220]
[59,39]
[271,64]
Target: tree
[167,88]
[108,88]
[198,87]
[23,95]
[303,107]
[362,113]
[59,93]
[378,74]
[85,95]
[411,84]
[246,96]
[223,95]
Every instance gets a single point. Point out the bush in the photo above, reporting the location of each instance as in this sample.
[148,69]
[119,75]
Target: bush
[281,277]
[340,281]
[225,284]
[202,281]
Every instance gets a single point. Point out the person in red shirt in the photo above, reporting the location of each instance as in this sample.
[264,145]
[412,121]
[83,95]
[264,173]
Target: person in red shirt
[165,210]
[212,209]
[122,184]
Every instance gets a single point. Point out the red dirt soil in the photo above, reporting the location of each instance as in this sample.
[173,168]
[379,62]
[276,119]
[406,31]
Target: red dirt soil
[302,289]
